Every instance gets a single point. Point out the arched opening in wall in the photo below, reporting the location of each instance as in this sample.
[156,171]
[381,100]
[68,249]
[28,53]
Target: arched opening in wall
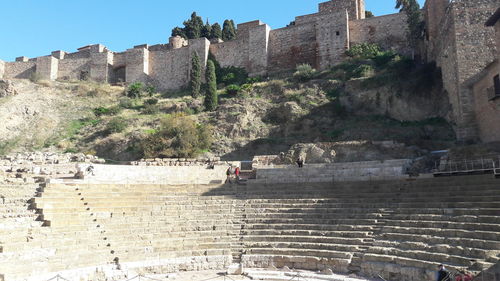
[117,75]
[84,75]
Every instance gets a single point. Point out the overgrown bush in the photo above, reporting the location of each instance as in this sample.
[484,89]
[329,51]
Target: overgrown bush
[127,103]
[150,109]
[116,125]
[233,90]
[113,110]
[151,102]
[135,90]
[179,136]
[150,90]
[363,50]
[304,72]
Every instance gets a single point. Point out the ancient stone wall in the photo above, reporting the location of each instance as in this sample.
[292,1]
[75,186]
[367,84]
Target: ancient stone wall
[22,70]
[47,67]
[99,66]
[137,65]
[374,30]
[332,35]
[462,46]
[291,46]
[170,69]
[487,106]
[73,68]
[355,9]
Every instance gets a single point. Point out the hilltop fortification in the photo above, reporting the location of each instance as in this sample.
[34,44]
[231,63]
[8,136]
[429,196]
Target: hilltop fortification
[457,39]
[319,39]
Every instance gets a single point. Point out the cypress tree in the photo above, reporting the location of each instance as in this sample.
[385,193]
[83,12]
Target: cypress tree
[211,101]
[216,31]
[195,82]
[228,31]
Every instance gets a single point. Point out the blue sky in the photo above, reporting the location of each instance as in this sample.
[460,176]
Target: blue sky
[38,27]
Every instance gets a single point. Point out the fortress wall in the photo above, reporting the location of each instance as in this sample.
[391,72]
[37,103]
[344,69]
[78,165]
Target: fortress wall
[332,33]
[73,68]
[462,46]
[137,61]
[355,9]
[434,12]
[487,110]
[78,55]
[2,68]
[374,30]
[47,67]
[21,70]
[257,49]
[169,70]
[99,66]
[231,53]
[291,46]
[119,59]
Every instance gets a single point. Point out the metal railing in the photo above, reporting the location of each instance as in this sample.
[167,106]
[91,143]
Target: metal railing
[482,165]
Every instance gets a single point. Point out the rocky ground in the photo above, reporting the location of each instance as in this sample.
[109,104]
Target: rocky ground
[265,118]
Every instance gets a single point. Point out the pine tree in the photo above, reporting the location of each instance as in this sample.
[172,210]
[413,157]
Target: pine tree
[177,31]
[206,31]
[193,26]
[195,82]
[228,31]
[216,31]
[211,101]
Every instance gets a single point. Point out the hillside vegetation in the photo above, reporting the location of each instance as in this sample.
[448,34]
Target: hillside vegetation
[367,98]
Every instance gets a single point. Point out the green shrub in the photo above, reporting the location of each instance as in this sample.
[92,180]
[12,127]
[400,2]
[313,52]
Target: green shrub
[232,75]
[253,80]
[127,103]
[135,90]
[179,136]
[150,90]
[151,102]
[35,77]
[363,70]
[116,125]
[363,50]
[304,72]
[383,58]
[233,89]
[150,109]
[100,111]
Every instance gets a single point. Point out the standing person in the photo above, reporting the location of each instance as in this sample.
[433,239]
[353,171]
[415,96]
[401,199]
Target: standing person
[228,174]
[300,162]
[442,274]
[237,174]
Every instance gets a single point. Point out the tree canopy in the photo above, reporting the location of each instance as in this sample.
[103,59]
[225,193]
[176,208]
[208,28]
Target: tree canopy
[195,28]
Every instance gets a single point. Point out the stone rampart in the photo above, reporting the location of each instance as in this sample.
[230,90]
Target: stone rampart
[462,46]
[20,70]
[374,30]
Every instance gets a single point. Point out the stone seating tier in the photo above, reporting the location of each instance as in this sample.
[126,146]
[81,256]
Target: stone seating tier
[398,229]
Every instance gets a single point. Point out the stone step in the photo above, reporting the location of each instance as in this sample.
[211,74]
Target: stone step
[316,253]
[433,240]
[303,239]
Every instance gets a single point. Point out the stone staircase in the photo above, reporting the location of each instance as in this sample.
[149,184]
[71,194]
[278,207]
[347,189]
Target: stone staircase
[397,229]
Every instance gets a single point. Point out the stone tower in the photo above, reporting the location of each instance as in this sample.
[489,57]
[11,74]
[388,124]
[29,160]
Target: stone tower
[355,8]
